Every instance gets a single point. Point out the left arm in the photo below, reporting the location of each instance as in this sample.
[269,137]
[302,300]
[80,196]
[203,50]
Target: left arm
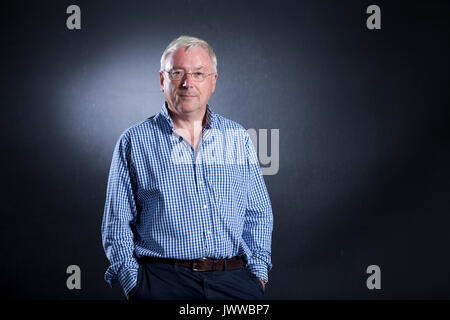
[258,223]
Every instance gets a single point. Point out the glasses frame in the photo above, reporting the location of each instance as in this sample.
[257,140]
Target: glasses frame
[186,73]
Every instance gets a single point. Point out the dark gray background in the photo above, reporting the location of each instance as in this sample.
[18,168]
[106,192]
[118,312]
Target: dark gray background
[364,136]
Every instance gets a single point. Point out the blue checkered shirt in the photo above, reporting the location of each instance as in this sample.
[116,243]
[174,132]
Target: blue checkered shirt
[165,199]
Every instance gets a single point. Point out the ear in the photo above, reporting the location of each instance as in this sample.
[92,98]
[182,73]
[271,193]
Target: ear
[161,80]
[214,79]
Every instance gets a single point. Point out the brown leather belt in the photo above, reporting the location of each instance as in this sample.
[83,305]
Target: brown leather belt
[203,264]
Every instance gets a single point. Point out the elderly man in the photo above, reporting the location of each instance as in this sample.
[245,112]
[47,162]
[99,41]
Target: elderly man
[187,213]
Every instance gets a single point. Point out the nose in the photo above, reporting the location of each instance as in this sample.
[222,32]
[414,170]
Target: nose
[187,80]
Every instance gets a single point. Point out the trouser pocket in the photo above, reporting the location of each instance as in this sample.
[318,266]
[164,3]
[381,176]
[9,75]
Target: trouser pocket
[256,280]
[137,288]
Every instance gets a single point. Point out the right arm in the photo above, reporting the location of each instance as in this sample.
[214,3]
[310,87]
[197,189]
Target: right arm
[120,211]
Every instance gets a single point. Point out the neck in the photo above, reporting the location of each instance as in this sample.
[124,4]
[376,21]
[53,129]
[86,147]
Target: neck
[188,121]
[189,126]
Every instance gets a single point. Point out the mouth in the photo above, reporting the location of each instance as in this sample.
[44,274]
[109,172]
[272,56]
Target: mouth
[186,96]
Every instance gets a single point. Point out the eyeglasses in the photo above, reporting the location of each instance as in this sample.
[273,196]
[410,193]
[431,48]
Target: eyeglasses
[179,74]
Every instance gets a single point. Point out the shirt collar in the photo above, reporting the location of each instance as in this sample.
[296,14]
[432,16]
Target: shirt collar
[209,121]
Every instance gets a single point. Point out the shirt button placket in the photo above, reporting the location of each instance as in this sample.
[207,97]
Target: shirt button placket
[207,235]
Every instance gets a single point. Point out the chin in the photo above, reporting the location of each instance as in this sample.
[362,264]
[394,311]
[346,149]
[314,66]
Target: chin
[189,106]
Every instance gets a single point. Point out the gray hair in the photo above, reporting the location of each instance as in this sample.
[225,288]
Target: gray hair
[189,42]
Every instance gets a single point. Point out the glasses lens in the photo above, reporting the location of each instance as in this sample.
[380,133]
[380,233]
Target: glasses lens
[176,74]
[198,76]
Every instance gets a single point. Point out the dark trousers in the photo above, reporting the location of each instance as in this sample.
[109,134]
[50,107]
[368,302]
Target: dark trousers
[170,281]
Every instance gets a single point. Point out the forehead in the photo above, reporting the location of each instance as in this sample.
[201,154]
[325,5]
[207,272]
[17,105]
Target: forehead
[189,58]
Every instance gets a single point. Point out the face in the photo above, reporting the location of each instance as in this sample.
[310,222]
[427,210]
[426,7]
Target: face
[187,95]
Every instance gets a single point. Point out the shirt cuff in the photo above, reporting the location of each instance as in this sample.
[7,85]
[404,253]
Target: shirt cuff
[259,270]
[128,279]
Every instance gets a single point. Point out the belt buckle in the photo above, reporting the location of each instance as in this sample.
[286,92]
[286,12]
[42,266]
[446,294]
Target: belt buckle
[194,263]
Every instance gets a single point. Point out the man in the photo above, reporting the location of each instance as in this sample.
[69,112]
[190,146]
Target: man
[187,213]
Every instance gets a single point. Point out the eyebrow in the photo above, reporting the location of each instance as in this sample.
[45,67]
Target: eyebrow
[196,68]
